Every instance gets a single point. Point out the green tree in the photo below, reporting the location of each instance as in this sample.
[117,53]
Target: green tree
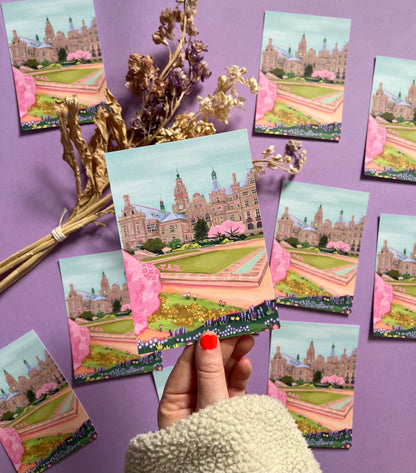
[317,376]
[291,75]
[305,244]
[174,244]
[293,241]
[394,273]
[414,118]
[7,415]
[308,71]
[388,116]
[87,315]
[62,55]
[31,397]
[278,72]
[201,229]
[33,63]
[116,306]
[323,241]
[155,245]
[287,380]
[45,63]
[18,411]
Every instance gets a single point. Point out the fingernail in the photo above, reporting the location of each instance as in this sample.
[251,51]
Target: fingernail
[208,341]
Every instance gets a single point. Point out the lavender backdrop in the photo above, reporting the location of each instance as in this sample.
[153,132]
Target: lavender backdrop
[35,186]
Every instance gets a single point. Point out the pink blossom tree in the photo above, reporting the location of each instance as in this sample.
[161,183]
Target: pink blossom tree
[383,297]
[276,393]
[80,342]
[45,389]
[376,138]
[334,380]
[144,288]
[79,56]
[266,96]
[339,246]
[228,228]
[279,262]
[12,443]
[25,86]
[324,75]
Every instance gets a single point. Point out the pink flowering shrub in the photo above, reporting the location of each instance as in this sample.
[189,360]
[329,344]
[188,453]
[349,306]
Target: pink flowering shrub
[79,56]
[334,380]
[324,75]
[279,262]
[376,138]
[383,297]
[227,228]
[25,86]
[276,393]
[12,443]
[266,96]
[45,389]
[339,246]
[80,342]
[125,307]
[144,288]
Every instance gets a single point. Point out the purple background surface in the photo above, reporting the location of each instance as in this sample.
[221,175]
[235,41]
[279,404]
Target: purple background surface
[35,187]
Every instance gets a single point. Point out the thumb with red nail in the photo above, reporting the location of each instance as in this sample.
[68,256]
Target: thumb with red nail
[204,374]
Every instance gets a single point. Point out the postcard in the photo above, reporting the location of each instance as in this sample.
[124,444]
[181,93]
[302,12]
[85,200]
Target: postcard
[317,245]
[312,372]
[302,75]
[192,238]
[42,420]
[390,151]
[99,318]
[394,306]
[55,52]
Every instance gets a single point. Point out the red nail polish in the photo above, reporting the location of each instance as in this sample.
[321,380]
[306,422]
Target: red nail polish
[209,341]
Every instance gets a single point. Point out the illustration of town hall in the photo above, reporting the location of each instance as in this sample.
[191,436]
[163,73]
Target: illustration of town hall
[333,60]
[235,202]
[342,365]
[84,38]
[389,258]
[383,101]
[349,232]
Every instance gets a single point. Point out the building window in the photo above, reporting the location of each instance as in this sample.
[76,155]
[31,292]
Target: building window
[172,228]
[232,217]
[246,203]
[125,231]
[257,213]
[132,212]
[248,214]
[245,193]
[253,191]
[256,201]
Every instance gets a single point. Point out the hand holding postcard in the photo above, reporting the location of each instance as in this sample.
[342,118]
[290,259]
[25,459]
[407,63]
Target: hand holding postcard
[192,239]
[42,420]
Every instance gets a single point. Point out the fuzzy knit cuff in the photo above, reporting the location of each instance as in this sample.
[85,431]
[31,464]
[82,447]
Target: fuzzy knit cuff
[248,434]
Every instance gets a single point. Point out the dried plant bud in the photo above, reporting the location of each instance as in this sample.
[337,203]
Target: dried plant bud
[141,73]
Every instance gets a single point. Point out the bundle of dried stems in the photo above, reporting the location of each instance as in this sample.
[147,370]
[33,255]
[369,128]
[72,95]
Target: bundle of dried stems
[159,96]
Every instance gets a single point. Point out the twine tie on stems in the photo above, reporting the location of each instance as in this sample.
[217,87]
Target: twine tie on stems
[57,233]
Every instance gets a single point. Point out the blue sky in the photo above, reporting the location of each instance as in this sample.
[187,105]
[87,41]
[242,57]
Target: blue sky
[28,17]
[286,29]
[303,201]
[149,173]
[395,74]
[85,272]
[26,348]
[398,230]
[295,337]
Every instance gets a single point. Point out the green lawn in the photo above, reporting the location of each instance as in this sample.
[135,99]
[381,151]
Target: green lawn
[410,289]
[120,326]
[44,411]
[211,262]
[310,91]
[281,113]
[295,284]
[322,262]
[318,397]
[168,255]
[67,76]
[408,134]
[172,299]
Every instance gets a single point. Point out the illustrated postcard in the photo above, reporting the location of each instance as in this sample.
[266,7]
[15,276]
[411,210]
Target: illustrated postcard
[317,245]
[394,306]
[312,372]
[390,151]
[192,238]
[302,75]
[55,52]
[99,319]
[42,420]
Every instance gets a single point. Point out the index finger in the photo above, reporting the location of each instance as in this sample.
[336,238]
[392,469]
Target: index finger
[182,379]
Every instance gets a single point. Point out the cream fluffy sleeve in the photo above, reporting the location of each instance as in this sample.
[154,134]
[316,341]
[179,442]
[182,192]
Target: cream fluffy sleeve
[248,434]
